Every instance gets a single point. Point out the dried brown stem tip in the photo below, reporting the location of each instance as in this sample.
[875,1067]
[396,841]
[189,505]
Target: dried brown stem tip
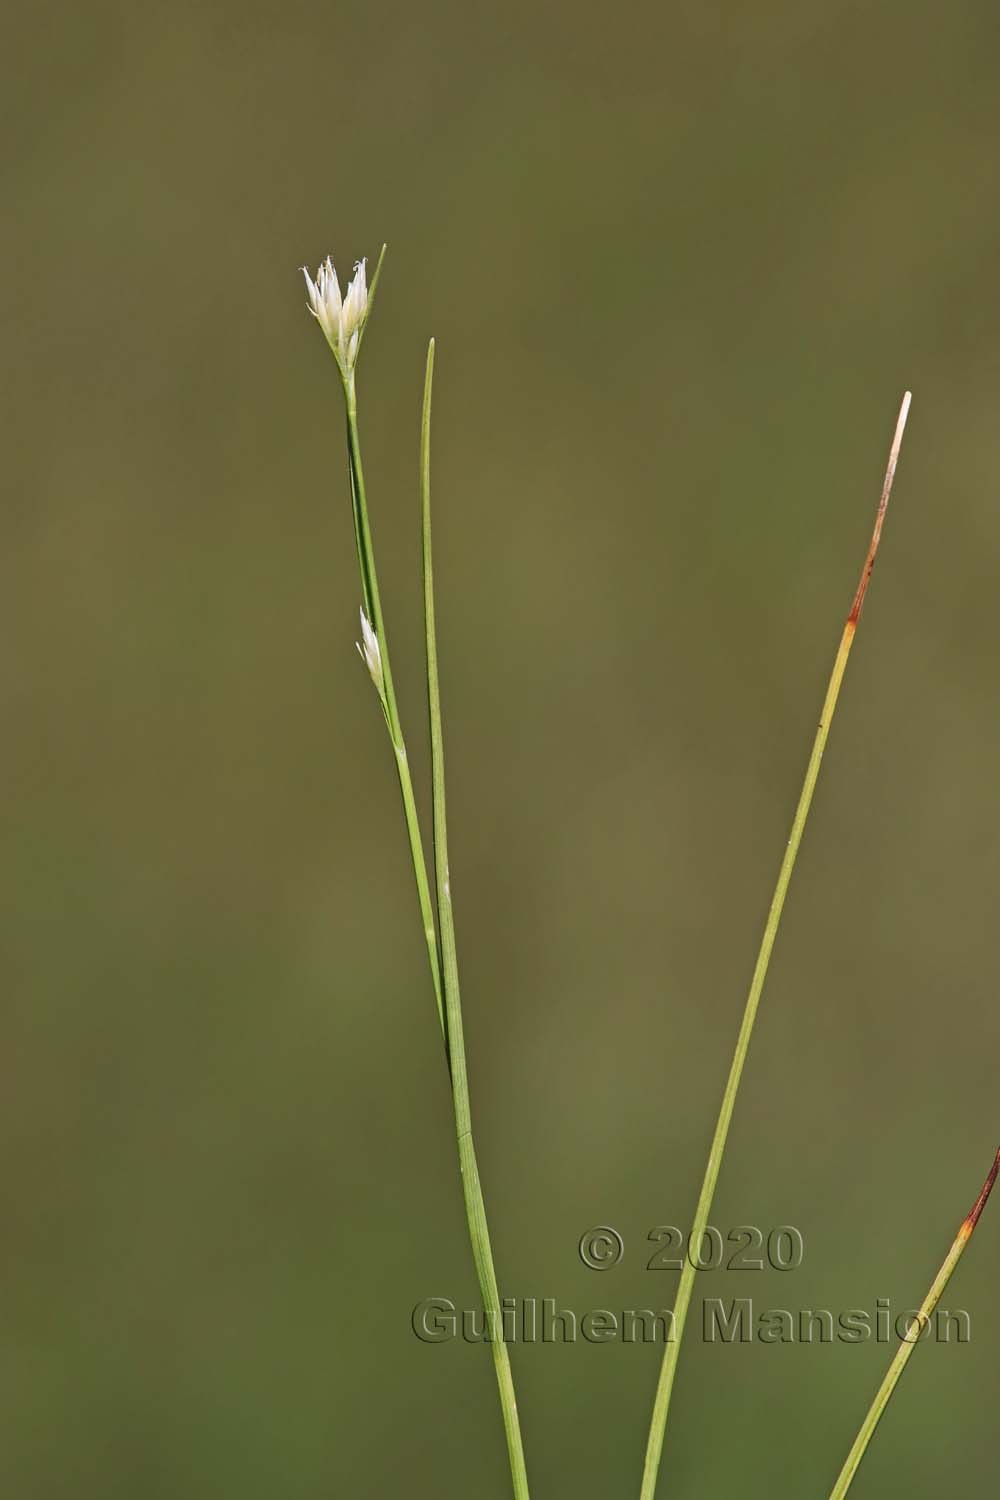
[980,1203]
[890,474]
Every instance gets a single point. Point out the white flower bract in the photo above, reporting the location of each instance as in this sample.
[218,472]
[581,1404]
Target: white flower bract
[368,649]
[341,318]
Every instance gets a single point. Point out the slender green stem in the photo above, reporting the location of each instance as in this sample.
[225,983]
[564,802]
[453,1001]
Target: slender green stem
[441,947]
[373,608]
[671,1354]
[911,1339]
[475,1208]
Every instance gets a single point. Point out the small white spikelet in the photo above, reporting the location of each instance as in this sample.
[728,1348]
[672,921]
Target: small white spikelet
[341,318]
[368,650]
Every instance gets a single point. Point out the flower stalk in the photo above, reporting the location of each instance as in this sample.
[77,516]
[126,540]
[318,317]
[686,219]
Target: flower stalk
[373,610]
[343,321]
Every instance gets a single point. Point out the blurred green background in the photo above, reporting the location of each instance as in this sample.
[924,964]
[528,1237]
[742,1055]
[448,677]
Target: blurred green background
[681,262]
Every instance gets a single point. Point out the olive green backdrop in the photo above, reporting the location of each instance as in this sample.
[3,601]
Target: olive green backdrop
[681,261]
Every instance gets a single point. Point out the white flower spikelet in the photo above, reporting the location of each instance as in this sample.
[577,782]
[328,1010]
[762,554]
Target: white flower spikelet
[341,318]
[368,649]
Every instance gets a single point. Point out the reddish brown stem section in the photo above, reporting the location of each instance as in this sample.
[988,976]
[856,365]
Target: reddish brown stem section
[890,474]
[983,1199]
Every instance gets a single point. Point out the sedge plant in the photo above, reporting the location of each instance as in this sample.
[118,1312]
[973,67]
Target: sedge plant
[343,320]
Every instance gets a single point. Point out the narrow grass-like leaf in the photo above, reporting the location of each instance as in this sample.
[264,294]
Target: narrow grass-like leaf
[909,1343]
[373,608]
[475,1208]
[373,286]
[671,1353]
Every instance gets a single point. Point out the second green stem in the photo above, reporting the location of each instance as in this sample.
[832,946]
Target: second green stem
[671,1353]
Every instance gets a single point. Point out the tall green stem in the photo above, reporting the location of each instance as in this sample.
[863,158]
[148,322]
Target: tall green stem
[912,1338]
[671,1353]
[475,1208]
[439,935]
